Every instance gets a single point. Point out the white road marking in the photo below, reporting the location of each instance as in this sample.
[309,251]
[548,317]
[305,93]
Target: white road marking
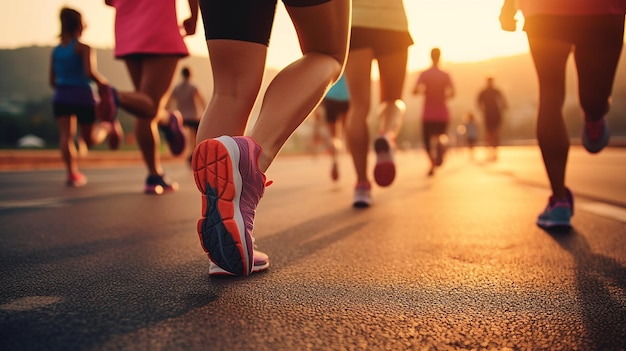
[30,303]
[45,202]
[604,210]
[598,208]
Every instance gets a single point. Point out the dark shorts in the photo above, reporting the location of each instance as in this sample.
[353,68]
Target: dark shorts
[432,129]
[576,29]
[493,122]
[191,124]
[85,114]
[335,109]
[244,20]
[381,41]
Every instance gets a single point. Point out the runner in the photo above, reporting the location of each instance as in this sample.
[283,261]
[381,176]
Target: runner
[380,32]
[72,69]
[593,31]
[437,87]
[229,168]
[151,53]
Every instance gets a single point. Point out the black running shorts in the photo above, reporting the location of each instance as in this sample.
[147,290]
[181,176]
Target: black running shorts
[577,30]
[381,41]
[85,114]
[335,109]
[244,20]
[432,129]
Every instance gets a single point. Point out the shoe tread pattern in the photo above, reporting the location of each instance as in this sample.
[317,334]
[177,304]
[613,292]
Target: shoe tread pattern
[217,228]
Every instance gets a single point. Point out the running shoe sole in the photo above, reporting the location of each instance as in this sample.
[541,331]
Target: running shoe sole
[554,225]
[361,204]
[385,169]
[221,230]
[259,265]
[362,198]
[77,183]
[558,220]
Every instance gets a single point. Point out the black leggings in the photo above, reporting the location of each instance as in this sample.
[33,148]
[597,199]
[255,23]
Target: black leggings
[432,129]
[244,20]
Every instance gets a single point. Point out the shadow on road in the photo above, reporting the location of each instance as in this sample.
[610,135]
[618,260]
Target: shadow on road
[599,279]
[307,238]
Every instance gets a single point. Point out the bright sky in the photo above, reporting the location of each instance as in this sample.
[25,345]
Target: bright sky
[465,30]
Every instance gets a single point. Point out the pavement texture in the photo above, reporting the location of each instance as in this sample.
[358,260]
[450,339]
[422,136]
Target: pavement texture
[450,262]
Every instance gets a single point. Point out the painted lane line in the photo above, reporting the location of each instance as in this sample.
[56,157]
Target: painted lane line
[604,210]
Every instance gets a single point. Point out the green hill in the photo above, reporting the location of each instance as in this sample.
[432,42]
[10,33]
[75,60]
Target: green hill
[24,81]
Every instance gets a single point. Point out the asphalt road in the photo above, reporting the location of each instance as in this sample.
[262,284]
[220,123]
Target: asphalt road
[452,262]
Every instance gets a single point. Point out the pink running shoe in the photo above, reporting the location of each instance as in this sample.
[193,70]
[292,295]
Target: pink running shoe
[362,195]
[385,169]
[227,174]
[174,134]
[76,180]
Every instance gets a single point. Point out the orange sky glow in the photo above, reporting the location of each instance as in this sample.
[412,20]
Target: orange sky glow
[465,30]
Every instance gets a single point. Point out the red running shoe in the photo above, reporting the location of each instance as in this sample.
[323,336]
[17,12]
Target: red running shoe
[76,180]
[385,169]
[174,134]
[227,174]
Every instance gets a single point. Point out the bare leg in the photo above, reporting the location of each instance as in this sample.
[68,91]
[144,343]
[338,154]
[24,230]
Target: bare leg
[392,74]
[334,130]
[238,69]
[67,133]
[93,134]
[358,73]
[550,57]
[306,80]
[152,77]
[138,104]
[193,131]
[596,63]
[492,142]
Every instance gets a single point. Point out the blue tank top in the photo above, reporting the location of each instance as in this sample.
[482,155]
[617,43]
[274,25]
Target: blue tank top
[339,91]
[68,66]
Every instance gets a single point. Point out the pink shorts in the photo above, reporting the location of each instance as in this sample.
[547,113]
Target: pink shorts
[147,27]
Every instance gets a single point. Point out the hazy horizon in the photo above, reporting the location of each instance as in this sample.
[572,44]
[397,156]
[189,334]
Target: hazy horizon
[466,31]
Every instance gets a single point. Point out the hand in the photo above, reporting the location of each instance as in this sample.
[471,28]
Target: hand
[507,16]
[508,23]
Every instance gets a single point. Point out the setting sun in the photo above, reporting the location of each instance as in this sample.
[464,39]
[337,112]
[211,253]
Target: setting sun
[464,30]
